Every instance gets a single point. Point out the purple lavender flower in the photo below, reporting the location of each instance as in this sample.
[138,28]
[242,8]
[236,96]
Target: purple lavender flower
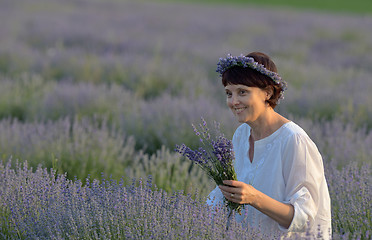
[215,157]
[42,205]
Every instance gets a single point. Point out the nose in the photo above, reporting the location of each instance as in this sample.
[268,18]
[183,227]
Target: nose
[233,100]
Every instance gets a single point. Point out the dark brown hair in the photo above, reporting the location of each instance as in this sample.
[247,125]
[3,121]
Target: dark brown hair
[252,78]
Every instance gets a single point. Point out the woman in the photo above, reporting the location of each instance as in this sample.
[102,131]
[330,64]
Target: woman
[279,169]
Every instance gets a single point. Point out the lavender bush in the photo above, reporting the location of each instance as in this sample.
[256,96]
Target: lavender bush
[44,205]
[41,204]
[79,147]
[88,146]
[167,120]
[351,198]
[153,122]
[150,121]
[84,147]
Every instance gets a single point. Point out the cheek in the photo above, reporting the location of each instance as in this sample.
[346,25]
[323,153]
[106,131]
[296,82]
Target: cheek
[228,102]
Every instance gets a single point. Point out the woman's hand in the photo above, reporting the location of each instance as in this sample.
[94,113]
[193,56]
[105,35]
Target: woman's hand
[238,192]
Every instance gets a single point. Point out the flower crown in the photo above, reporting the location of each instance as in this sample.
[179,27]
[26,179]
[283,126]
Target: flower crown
[243,61]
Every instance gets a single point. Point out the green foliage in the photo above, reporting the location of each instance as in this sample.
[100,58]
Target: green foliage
[357,6]
[17,96]
[170,172]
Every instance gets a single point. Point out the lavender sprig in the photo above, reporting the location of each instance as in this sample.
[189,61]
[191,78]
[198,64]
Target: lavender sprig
[215,157]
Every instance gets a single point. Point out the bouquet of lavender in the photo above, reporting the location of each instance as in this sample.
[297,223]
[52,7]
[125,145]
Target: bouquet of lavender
[215,157]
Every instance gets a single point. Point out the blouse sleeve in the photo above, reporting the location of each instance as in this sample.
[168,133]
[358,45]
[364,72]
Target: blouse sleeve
[303,174]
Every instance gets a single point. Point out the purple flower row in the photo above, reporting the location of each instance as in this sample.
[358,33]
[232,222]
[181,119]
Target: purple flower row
[43,205]
[83,147]
[40,204]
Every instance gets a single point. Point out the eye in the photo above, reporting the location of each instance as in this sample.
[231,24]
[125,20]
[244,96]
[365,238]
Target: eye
[242,92]
[228,94]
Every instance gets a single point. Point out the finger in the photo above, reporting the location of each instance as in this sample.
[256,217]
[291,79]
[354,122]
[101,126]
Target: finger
[226,194]
[229,189]
[229,196]
[228,182]
[233,183]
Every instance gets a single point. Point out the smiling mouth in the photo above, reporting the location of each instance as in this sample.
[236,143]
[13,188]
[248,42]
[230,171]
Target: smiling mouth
[239,110]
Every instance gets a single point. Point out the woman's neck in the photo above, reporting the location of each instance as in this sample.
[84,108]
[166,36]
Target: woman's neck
[267,125]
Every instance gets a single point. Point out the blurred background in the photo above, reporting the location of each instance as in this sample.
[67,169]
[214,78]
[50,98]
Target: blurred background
[108,88]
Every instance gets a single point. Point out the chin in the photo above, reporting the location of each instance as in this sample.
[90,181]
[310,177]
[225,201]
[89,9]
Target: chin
[241,119]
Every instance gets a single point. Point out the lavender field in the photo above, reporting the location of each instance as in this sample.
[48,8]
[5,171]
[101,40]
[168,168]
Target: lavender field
[102,91]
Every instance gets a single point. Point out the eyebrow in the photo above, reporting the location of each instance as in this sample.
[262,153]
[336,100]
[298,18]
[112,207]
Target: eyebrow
[238,89]
[245,89]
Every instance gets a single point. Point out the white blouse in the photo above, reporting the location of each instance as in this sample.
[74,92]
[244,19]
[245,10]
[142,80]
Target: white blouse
[288,167]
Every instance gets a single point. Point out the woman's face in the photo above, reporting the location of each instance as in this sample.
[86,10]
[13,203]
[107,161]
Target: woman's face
[247,103]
